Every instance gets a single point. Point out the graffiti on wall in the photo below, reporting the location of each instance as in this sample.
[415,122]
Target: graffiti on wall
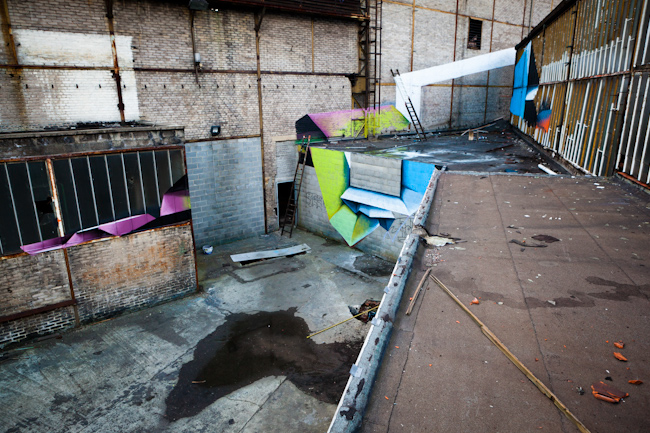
[356,212]
[360,122]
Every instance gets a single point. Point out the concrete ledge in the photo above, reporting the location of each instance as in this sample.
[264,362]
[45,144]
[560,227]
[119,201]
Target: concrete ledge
[352,405]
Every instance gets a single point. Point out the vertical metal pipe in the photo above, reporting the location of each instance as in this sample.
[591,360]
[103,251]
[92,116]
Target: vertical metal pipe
[155,173]
[632,122]
[76,197]
[169,165]
[639,129]
[451,103]
[144,200]
[259,17]
[626,125]
[55,197]
[594,123]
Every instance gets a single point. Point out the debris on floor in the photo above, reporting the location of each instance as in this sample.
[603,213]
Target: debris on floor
[620,357]
[545,238]
[635,382]
[369,306]
[524,244]
[261,255]
[607,393]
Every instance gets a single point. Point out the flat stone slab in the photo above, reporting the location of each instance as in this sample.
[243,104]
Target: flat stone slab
[259,255]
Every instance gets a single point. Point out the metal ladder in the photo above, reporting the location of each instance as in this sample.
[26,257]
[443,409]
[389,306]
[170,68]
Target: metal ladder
[292,205]
[415,120]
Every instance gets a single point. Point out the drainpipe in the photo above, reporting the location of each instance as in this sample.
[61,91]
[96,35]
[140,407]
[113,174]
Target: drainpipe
[116,66]
[451,103]
[258,24]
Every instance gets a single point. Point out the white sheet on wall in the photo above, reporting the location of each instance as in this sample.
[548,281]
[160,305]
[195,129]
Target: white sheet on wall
[78,95]
[410,84]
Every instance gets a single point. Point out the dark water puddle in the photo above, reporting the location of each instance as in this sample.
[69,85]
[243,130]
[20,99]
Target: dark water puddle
[250,347]
[373,266]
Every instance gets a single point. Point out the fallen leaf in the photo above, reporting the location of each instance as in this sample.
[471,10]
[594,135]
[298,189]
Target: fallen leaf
[635,382]
[620,357]
[457,321]
[606,341]
[619,345]
[430,365]
[536,359]
[474,301]
[386,397]
[396,347]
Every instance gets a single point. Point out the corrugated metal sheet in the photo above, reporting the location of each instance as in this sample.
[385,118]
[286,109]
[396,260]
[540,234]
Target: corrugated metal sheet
[593,58]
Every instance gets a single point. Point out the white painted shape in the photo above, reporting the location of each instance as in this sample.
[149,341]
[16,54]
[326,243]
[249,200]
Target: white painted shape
[412,82]
[375,199]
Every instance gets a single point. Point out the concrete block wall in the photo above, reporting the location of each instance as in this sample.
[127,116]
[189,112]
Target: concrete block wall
[409,30]
[225,179]
[312,216]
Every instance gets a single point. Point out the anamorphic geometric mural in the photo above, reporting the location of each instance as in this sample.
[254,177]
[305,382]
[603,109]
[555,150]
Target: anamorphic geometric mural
[355,211]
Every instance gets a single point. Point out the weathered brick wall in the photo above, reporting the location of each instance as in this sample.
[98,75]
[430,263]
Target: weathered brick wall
[312,216]
[411,41]
[28,283]
[31,282]
[108,277]
[225,180]
[131,272]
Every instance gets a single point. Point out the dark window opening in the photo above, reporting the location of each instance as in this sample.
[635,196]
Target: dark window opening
[284,192]
[474,35]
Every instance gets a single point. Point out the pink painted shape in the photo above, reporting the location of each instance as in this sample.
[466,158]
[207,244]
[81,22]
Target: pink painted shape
[333,121]
[85,236]
[48,245]
[126,225]
[175,201]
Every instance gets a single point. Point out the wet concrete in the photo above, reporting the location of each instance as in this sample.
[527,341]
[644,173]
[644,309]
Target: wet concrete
[134,373]
[247,348]
[497,148]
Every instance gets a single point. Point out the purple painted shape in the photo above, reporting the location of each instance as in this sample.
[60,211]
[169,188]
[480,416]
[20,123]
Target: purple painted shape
[85,236]
[175,201]
[126,225]
[48,245]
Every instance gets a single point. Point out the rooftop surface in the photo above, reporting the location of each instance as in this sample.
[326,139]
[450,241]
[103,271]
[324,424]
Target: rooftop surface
[558,308]
[494,148]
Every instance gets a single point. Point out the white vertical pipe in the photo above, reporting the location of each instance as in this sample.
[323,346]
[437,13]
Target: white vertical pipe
[632,121]
[609,122]
[582,115]
[638,130]
[594,121]
[567,102]
[641,27]
[625,123]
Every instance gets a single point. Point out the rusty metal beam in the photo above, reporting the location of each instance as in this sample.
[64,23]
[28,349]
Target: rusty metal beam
[259,17]
[116,65]
[89,153]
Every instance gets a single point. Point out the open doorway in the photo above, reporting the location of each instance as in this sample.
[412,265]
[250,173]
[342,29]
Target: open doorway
[284,191]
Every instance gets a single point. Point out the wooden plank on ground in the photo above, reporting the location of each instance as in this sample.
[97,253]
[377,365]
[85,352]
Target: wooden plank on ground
[259,255]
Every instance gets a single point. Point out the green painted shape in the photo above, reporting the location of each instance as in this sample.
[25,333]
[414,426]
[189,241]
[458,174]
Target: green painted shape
[344,221]
[363,227]
[333,175]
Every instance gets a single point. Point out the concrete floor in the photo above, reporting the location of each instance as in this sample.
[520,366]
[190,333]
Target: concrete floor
[155,370]
[559,309]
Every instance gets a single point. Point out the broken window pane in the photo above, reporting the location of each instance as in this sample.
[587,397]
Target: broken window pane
[67,197]
[43,199]
[474,35]
[118,187]
[84,192]
[178,167]
[102,189]
[150,184]
[9,236]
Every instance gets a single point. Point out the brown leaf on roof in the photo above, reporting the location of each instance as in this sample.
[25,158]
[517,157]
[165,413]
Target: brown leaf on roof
[620,357]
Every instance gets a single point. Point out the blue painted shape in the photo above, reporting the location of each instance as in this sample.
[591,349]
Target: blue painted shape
[412,200]
[386,223]
[375,199]
[416,175]
[352,205]
[519,91]
[518,102]
[375,212]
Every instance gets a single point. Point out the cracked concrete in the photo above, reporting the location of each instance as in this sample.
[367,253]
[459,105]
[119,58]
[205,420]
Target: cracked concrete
[115,376]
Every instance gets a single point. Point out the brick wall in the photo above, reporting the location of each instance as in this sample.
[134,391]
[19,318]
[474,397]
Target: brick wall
[133,271]
[312,216]
[108,276]
[225,180]
[157,68]
[407,45]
